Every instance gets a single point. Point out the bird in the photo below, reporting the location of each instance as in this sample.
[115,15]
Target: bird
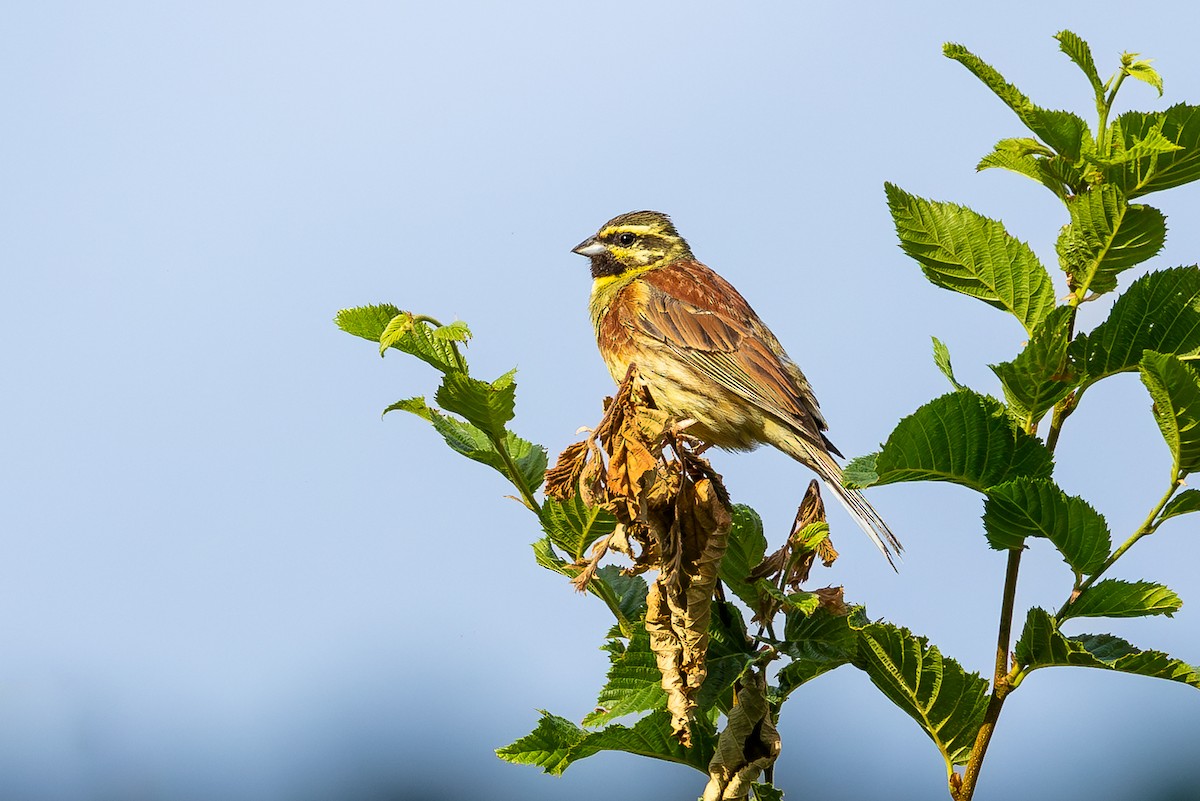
[705,356]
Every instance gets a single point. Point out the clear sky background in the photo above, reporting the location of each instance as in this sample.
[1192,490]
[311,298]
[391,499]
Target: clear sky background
[223,576]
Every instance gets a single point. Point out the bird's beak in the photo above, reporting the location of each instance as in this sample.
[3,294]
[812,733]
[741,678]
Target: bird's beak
[588,247]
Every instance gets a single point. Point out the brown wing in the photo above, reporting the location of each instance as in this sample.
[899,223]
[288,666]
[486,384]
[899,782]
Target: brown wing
[706,322]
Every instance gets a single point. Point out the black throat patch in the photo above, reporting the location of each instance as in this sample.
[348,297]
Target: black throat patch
[605,266]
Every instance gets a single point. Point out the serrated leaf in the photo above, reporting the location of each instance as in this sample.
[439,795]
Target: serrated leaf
[945,700]
[961,437]
[1153,143]
[1160,311]
[1042,645]
[1079,52]
[966,252]
[1183,503]
[404,332]
[1155,171]
[766,792]
[634,683]
[729,653]
[1028,507]
[1032,159]
[367,322]
[456,331]
[548,746]
[622,598]
[1042,374]
[1141,70]
[486,406]
[941,358]
[416,405]
[396,329]
[573,526]
[651,737]
[861,472]
[466,439]
[630,591]
[1116,598]
[1061,130]
[745,550]
[817,643]
[1175,389]
[1107,236]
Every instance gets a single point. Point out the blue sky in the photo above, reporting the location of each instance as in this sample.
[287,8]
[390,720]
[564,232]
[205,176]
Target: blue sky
[221,575]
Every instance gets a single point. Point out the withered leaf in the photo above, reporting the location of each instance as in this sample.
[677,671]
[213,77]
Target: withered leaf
[748,745]
[562,479]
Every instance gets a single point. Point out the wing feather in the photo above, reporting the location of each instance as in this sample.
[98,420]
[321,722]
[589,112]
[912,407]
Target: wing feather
[707,323]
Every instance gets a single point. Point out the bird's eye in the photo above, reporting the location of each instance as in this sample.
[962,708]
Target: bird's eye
[626,239]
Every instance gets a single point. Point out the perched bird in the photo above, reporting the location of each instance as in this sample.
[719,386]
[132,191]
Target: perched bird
[704,354]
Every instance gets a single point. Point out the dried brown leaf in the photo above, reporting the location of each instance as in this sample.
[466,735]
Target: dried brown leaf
[690,526]
[748,745]
[563,478]
[833,599]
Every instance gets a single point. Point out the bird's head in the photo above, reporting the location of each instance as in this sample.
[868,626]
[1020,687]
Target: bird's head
[639,240]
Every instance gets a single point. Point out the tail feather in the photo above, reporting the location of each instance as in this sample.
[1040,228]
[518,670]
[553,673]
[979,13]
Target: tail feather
[830,472]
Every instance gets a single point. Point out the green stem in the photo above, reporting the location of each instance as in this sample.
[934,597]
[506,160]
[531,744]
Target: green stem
[514,475]
[1000,687]
[1148,527]
[1102,133]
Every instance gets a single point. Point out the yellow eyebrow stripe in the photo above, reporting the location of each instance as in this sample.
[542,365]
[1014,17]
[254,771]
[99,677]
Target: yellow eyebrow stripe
[633,229]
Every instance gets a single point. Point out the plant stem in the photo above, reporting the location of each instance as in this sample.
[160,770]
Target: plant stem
[514,475]
[1148,527]
[999,682]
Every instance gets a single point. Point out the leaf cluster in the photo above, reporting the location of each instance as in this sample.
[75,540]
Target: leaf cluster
[996,446]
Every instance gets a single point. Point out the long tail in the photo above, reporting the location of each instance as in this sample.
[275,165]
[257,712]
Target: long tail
[830,472]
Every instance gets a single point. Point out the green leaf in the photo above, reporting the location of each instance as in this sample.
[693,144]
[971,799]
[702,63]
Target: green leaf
[941,358]
[861,471]
[1156,170]
[486,406]
[1031,158]
[531,460]
[1042,645]
[393,328]
[630,591]
[1029,507]
[466,439]
[1160,311]
[1116,598]
[766,792]
[367,322]
[1060,130]
[1079,52]
[651,737]
[962,437]
[1106,236]
[573,526]
[456,331]
[620,596]
[548,746]
[1175,389]
[634,682]
[1183,503]
[729,653]
[817,643]
[1141,70]
[945,700]
[397,328]
[969,253]
[1153,143]
[745,551]
[1042,374]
